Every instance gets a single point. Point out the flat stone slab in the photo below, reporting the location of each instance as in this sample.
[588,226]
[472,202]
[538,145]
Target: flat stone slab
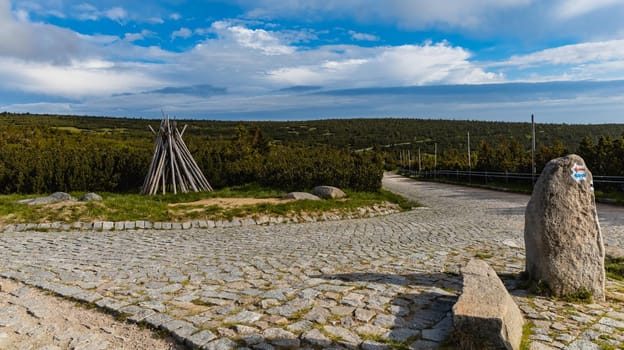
[485,316]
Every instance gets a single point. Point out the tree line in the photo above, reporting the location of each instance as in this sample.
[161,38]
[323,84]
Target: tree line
[604,156]
[41,154]
[45,159]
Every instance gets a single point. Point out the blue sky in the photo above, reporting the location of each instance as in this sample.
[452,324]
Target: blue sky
[562,60]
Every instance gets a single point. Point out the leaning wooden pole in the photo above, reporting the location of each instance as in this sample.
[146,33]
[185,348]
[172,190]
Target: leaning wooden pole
[172,164]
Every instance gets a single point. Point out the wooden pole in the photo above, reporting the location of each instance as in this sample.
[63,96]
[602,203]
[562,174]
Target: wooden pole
[175,190]
[533,167]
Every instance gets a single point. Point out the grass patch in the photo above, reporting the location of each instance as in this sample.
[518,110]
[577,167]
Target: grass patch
[614,268]
[200,302]
[393,344]
[483,256]
[527,331]
[581,296]
[133,207]
[606,346]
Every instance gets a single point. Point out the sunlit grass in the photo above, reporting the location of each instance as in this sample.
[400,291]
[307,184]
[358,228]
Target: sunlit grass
[132,207]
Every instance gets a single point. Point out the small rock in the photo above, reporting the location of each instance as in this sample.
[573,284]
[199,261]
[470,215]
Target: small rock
[301,196]
[91,196]
[328,192]
[315,337]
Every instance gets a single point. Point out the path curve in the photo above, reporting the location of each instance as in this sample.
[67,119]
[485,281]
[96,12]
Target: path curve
[352,283]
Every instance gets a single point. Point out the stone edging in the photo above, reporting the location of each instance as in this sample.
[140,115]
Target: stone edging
[202,224]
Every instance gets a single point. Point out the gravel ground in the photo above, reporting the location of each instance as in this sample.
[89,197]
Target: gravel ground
[33,319]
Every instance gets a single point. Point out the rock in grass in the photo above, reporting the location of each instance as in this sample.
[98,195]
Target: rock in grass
[485,316]
[88,197]
[53,198]
[564,246]
[328,192]
[301,196]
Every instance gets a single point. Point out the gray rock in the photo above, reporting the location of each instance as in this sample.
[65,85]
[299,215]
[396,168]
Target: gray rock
[485,316]
[373,345]
[244,317]
[328,192]
[281,338]
[62,196]
[349,338]
[88,197]
[315,337]
[583,345]
[220,344]
[301,196]
[53,198]
[564,246]
[200,338]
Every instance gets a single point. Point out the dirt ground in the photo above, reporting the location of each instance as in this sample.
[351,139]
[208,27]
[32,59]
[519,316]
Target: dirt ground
[33,319]
[229,203]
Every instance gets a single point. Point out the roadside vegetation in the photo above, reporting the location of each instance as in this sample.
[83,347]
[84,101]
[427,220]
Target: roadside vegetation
[615,268]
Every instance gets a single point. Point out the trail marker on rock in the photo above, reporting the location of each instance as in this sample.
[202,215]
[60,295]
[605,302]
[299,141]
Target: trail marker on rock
[564,246]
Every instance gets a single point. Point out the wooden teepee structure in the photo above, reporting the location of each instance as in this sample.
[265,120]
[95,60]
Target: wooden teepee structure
[173,166]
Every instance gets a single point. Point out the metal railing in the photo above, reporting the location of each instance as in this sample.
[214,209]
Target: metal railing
[483,177]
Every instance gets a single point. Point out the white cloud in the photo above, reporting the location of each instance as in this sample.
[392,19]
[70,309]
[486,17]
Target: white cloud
[155,20]
[116,14]
[44,8]
[36,41]
[588,52]
[131,37]
[87,12]
[181,33]
[79,79]
[22,15]
[567,9]
[175,16]
[257,39]
[363,36]
[389,66]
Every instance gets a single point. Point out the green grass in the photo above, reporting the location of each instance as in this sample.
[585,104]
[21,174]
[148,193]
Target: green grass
[483,256]
[527,331]
[390,343]
[131,207]
[581,296]
[615,268]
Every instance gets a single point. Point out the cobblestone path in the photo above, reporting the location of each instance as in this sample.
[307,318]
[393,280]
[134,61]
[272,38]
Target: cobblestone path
[370,283]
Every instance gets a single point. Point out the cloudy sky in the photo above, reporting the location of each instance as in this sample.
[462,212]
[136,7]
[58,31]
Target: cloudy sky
[562,60]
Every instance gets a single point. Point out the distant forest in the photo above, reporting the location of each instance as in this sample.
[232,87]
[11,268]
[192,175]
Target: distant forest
[45,153]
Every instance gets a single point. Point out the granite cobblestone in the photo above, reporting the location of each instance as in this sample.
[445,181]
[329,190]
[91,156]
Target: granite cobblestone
[333,283]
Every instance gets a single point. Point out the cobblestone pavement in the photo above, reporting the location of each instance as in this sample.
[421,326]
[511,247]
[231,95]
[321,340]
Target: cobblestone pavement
[369,283]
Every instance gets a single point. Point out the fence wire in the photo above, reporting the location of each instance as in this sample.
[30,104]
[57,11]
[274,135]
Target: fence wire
[607,182]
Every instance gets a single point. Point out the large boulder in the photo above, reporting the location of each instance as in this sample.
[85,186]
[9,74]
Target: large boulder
[564,247]
[485,316]
[301,196]
[328,192]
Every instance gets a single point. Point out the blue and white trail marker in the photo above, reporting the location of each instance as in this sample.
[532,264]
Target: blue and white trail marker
[579,173]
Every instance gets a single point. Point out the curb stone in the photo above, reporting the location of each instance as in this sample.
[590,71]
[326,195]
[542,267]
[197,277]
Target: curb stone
[148,225]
